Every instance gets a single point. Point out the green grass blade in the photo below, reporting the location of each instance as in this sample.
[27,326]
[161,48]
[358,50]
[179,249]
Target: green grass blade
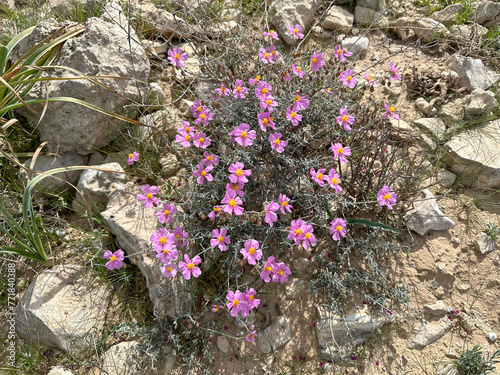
[372,224]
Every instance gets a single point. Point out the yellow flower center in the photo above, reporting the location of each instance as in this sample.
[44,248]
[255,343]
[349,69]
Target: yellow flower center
[149,195]
[295,31]
[113,258]
[280,272]
[264,90]
[299,69]
[268,269]
[319,176]
[165,251]
[177,236]
[284,204]
[252,335]
[200,140]
[345,118]
[387,196]
[232,203]
[203,173]
[187,129]
[276,141]
[209,158]
[239,172]
[220,239]
[236,302]
[271,31]
[251,250]
[216,209]
[251,297]
[235,187]
[268,102]
[315,60]
[176,56]
[202,116]
[297,98]
[238,89]
[222,89]
[338,228]
[169,269]
[274,52]
[298,231]
[340,149]
[334,181]
[166,212]
[340,52]
[130,155]
[264,121]
[163,240]
[191,266]
[370,78]
[243,134]
[349,79]
[217,309]
[391,109]
[293,114]
[266,55]
[187,137]
[308,235]
[270,118]
[198,109]
[257,78]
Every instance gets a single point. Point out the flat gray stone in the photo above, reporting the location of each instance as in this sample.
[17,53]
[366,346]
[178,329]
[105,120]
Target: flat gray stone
[120,359]
[223,344]
[365,17]
[338,19]
[276,335]
[427,333]
[487,11]
[472,72]
[428,29]
[448,15]
[485,243]
[357,46]
[481,101]
[438,309]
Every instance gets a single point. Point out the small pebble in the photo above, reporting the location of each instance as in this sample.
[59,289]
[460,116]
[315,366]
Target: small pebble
[493,336]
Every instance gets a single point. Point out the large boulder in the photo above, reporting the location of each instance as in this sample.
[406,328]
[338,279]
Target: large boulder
[428,29]
[106,48]
[64,308]
[472,72]
[285,13]
[448,15]
[339,19]
[429,332]
[366,17]
[487,11]
[476,155]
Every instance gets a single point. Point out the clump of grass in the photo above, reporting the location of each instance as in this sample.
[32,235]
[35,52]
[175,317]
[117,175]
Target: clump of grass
[472,362]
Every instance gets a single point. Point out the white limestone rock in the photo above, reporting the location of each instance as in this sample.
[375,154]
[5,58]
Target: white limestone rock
[285,13]
[276,335]
[472,72]
[338,19]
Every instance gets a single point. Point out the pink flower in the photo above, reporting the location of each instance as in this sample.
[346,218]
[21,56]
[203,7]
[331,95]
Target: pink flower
[283,200]
[300,103]
[183,137]
[334,180]
[177,57]
[204,117]
[210,159]
[298,71]
[340,152]
[337,228]
[214,213]
[271,216]
[237,303]
[251,252]
[148,197]
[273,52]
[295,31]
[216,308]
[162,239]
[265,120]
[319,176]
[265,56]
[239,91]
[165,214]
[386,198]
[342,53]
[201,140]
[287,77]
[167,254]
[347,78]
[115,259]
[251,336]
[188,267]
[277,143]
[317,61]
[293,116]
[237,187]
[169,270]
[203,173]
[223,90]
[273,34]
[243,135]
[297,231]
[390,112]
[267,103]
[309,238]
[369,79]
[281,273]
[238,174]
[133,157]
[268,270]
[186,127]
[394,73]
[345,119]
[232,203]
[220,239]
[262,90]
[179,236]
[253,81]
[196,109]
[250,297]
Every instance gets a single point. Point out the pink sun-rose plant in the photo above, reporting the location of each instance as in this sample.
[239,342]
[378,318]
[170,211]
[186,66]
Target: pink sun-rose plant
[276,142]
[179,236]
[132,158]
[345,119]
[284,205]
[237,303]
[273,52]
[177,57]
[318,176]
[297,228]
[293,116]
[168,254]
[237,187]
[265,56]
[386,198]
[309,238]
[253,81]
[217,308]
[281,273]
[268,103]
[342,53]
[271,216]
[220,239]
[300,102]
[287,77]
[222,90]
[317,61]
[252,335]
[273,34]
[340,152]
[184,137]
[148,197]
[196,109]
[333,180]
[164,216]
[268,270]
[394,72]
[204,117]
[298,71]
[347,78]
[251,252]
[243,135]
[115,259]
[262,90]
[337,228]
[200,140]
[390,112]
[210,160]
[188,267]
[203,173]
[215,212]
[295,31]
[370,79]
[162,239]
[265,120]
[250,297]
[238,174]
[239,90]
[169,270]
[232,203]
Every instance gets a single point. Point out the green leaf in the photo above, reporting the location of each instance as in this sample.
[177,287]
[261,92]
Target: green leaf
[371,224]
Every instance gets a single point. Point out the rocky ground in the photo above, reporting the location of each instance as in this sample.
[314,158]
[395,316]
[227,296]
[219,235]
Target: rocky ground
[448,97]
